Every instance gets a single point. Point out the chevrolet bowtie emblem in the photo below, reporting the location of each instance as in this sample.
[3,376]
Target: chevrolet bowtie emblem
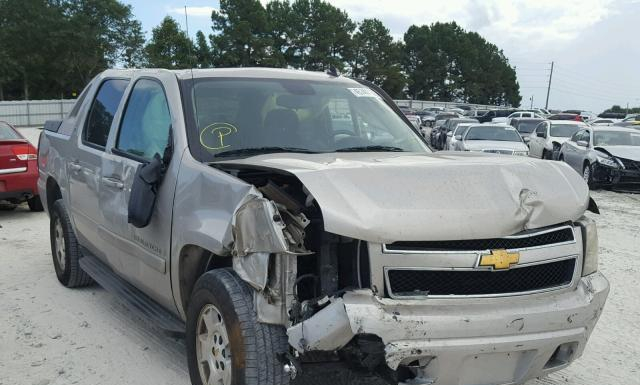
[499,259]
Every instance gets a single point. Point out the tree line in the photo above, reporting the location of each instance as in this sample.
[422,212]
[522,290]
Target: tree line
[52,48]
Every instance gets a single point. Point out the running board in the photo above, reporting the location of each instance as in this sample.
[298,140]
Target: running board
[132,297]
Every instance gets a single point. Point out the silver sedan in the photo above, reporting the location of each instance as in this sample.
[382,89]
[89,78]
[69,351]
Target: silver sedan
[492,138]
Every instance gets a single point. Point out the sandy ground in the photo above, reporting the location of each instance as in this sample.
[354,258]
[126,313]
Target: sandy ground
[53,335]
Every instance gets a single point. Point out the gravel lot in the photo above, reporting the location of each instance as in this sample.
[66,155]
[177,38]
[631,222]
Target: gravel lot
[53,335]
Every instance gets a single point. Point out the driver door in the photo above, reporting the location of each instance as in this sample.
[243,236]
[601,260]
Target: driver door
[142,253]
[536,143]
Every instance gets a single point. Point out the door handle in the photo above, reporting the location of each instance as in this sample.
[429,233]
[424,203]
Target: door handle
[112,182]
[75,166]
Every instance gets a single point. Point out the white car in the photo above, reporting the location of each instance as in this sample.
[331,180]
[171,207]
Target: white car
[545,141]
[604,122]
[451,136]
[492,138]
[518,114]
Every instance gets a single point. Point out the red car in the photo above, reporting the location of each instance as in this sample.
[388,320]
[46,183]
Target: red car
[18,168]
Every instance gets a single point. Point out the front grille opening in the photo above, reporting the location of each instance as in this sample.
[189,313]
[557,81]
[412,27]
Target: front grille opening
[414,283]
[561,235]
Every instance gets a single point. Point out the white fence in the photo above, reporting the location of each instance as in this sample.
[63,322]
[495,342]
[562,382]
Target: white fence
[422,104]
[34,112]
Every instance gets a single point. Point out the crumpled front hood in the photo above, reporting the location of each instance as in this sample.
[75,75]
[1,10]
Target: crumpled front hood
[626,152]
[386,197]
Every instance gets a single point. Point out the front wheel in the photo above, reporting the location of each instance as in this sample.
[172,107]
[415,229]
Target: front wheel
[226,345]
[587,175]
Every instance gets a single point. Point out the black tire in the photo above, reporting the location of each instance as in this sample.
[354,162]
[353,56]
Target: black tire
[589,179]
[35,204]
[255,347]
[70,274]
[547,155]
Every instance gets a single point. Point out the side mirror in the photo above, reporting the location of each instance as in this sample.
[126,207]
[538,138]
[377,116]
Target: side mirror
[458,137]
[526,139]
[582,143]
[449,134]
[541,134]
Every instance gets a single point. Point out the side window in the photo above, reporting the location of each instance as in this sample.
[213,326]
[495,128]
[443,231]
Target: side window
[541,128]
[104,106]
[76,107]
[586,136]
[144,130]
[576,137]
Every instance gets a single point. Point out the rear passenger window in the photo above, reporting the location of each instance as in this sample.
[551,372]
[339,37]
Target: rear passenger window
[104,106]
[144,130]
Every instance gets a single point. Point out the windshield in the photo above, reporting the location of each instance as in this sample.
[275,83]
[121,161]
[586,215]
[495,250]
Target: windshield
[499,133]
[565,130]
[616,138]
[243,117]
[527,127]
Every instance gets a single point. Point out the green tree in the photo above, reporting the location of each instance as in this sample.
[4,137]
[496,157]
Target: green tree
[320,35]
[52,48]
[169,47]
[444,62]
[376,57]
[240,34]
[204,56]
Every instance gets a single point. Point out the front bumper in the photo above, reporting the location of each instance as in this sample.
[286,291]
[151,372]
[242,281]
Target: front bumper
[462,341]
[615,177]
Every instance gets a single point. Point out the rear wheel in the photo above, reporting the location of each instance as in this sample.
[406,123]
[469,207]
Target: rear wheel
[547,155]
[65,249]
[226,345]
[35,204]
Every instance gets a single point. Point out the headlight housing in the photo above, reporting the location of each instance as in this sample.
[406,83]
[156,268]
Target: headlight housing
[521,153]
[590,245]
[610,162]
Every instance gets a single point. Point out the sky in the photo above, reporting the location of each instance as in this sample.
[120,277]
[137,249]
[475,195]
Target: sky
[592,43]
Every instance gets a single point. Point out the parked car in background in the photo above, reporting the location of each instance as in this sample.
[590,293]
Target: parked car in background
[565,116]
[525,126]
[630,121]
[491,114]
[18,169]
[603,121]
[475,113]
[586,115]
[517,114]
[613,115]
[605,156]
[458,132]
[540,111]
[448,126]
[546,140]
[435,109]
[412,115]
[492,138]
[427,118]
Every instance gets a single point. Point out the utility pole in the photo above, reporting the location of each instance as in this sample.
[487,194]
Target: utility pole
[546,105]
[531,98]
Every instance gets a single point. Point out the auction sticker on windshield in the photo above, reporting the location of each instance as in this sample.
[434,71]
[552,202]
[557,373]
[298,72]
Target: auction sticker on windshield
[363,93]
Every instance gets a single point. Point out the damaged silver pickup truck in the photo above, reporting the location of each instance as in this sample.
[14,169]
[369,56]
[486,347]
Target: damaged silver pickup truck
[284,220]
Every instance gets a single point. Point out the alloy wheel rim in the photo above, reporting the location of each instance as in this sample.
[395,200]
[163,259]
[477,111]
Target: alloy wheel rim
[212,347]
[60,246]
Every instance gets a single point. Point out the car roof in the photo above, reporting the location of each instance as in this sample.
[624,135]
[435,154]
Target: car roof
[528,120]
[574,122]
[614,128]
[247,72]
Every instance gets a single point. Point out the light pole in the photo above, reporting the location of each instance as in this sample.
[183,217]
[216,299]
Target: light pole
[531,98]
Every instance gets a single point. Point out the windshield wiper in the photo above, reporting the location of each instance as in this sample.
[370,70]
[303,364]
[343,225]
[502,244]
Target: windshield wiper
[263,150]
[370,149]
